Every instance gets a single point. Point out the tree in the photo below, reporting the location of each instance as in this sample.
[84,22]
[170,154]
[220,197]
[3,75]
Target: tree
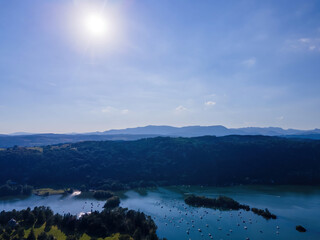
[31,235]
[112,202]
[137,234]
[50,237]
[43,236]
[31,219]
[72,237]
[41,218]
[49,224]
[20,232]
[6,236]
[125,237]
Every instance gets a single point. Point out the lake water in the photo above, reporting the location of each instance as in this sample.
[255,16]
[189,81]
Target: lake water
[292,205]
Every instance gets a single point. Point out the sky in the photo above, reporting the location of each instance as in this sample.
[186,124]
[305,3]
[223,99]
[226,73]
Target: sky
[169,62]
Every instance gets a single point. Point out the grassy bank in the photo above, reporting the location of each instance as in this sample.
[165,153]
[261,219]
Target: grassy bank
[50,191]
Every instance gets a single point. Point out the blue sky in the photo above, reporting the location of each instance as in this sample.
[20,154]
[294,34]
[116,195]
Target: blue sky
[168,62]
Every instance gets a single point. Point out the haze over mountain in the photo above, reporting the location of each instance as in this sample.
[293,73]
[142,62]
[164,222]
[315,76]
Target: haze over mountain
[29,139]
[218,130]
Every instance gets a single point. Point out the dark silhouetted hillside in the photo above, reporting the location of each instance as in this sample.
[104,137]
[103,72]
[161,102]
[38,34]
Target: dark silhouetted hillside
[163,160]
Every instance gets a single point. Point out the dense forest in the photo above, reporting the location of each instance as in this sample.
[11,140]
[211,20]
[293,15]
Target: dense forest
[128,223]
[12,189]
[115,165]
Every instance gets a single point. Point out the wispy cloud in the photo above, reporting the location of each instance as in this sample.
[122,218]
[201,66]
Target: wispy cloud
[306,44]
[250,62]
[180,109]
[113,110]
[210,103]
[280,118]
[108,109]
[52,84]
[125,111]
[304,40]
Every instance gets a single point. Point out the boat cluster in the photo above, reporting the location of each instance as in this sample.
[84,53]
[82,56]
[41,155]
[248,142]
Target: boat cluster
[198,221]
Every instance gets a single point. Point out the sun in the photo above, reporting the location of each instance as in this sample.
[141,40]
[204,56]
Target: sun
[95,29]
[96,25]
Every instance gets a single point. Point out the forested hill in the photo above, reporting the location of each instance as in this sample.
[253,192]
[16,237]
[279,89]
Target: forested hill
[49,139]
[202,160]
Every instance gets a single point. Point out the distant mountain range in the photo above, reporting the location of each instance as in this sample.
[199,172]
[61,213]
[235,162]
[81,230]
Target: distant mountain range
[196,131]
[30,139]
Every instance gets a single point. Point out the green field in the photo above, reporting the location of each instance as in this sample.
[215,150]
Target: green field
[48,191]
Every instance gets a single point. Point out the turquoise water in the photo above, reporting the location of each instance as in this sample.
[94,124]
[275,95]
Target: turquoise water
[293,206]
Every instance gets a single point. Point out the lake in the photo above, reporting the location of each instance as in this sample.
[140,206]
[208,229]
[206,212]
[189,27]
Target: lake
[175,220]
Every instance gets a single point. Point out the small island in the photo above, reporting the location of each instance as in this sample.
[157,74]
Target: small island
[221,202]
[225,203]
[299,228]
[264,213]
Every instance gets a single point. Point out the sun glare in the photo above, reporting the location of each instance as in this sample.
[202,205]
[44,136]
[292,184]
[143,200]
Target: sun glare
[95,28]
[96,25]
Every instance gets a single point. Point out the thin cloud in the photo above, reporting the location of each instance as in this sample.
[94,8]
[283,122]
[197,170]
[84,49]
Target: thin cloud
[304,40]
[52,84]
[210,103]
[108,109]
[306,44]
[113,110]
[249,62]
[180,109]
[125,111]
[280,118]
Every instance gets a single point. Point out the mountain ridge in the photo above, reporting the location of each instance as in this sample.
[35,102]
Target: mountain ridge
[30,140]
[216,130]
[167,129]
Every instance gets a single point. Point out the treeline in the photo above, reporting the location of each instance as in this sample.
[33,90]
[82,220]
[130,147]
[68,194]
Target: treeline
[264,213]
[130,224]
[15,190]
[116,165]
[50,139]
[101,194]
[225,203]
